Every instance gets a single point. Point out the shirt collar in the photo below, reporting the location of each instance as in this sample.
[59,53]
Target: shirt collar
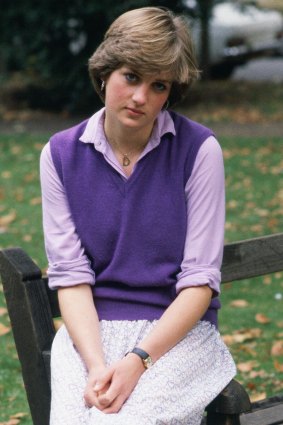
[94,131]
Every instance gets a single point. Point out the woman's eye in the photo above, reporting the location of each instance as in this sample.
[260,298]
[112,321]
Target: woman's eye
[160,86]
[130,77]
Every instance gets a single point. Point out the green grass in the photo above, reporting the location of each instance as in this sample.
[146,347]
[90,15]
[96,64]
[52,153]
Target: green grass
[254,193]
[234,101]
[20,209]
[254,208]
[20,194]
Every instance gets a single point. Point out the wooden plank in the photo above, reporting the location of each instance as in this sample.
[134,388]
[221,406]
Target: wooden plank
[47,358]
[268,416]
[251,258]
[53,299]
[32,326]
[241,260]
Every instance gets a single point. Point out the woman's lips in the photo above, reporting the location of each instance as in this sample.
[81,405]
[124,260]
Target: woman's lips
[135,111]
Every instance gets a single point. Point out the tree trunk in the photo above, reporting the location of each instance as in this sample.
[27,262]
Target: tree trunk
[205,8]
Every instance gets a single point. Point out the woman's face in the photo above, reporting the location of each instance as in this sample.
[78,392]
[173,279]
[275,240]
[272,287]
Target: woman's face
[134,100]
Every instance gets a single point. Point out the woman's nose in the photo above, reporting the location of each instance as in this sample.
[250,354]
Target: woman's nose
[140,94]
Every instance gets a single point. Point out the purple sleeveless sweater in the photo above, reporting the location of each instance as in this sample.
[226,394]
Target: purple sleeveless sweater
[133,231]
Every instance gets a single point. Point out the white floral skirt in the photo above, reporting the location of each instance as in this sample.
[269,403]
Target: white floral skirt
[174,391]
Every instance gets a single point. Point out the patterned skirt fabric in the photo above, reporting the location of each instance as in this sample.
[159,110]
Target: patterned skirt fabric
[174,391]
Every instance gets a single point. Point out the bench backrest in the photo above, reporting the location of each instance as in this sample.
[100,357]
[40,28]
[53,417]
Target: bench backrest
[241,260]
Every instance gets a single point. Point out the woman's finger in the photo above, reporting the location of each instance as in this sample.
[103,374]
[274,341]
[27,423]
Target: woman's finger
[116,405]
[103,381]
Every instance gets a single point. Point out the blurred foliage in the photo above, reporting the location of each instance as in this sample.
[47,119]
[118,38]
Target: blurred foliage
[45,46]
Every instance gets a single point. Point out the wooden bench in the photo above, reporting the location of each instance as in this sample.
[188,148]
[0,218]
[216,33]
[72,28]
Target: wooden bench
[32,308]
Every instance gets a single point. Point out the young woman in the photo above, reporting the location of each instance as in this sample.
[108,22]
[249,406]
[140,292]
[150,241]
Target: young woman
[133,213]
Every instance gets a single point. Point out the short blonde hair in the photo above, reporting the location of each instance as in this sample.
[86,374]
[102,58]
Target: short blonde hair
[150,40]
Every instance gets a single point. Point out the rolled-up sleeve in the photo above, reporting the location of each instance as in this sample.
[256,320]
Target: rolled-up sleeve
[205,195]
[67,263]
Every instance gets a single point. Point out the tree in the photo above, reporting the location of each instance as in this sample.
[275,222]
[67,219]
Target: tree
[45,46]
[205,9]
[48,43]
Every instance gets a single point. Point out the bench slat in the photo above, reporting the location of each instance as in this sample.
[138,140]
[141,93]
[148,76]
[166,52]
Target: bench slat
[268,416]
[253,257]
[241,260]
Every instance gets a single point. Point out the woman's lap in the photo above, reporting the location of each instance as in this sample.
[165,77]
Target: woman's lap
[175,390]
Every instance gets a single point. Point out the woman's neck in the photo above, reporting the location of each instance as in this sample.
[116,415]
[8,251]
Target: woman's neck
[126,139]
[127,144]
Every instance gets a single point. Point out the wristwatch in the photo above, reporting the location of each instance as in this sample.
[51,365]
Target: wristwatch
[145,357]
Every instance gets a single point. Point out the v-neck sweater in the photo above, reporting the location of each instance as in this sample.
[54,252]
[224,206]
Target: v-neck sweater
[133,231]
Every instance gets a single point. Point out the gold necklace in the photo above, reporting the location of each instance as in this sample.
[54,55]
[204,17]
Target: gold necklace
[125,160]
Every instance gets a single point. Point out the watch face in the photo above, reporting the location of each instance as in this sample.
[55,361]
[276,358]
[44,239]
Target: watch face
[147,362]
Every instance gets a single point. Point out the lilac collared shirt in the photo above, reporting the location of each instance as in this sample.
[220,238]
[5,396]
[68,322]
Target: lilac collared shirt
[205,194]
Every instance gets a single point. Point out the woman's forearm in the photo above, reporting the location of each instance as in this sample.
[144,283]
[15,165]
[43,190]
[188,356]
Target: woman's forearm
[81,320]
[177,320]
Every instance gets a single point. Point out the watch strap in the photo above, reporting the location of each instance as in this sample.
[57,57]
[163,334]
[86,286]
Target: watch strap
[145,357]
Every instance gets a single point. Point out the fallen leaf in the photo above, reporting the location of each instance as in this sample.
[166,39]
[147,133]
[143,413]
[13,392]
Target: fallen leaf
[7,219]
[30,177]
[39,146]
[257,396]
[257,374]
[278,366]
[242,335]
[273,222]
[232,204]
[11,421]
[35,201]
[251,386]
[3,311]
[246,348]
[4,329]
[18,415]
[247,366]
[267,280]
[277,349]
[239,303]
[262,318]
[16,149]
[257,228]
[6,174]
[27,238]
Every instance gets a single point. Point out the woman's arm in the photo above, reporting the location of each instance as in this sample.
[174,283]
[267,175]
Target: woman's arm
[81,320]
[80,317]
[69,271]
[67,263]
[179,318]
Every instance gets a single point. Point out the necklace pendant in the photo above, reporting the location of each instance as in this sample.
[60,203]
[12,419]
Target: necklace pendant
[126,161]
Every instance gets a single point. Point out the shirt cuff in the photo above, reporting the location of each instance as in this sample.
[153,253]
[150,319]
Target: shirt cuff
[70,273]
[199,276]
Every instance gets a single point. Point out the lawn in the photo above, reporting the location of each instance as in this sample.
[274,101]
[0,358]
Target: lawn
[250,326]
